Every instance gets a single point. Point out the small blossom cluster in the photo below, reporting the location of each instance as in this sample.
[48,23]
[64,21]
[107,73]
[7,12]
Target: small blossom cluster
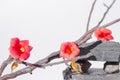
[71,50]
[20,49]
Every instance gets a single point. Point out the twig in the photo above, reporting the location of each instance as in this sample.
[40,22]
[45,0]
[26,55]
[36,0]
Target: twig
[108,8]
[59,62]
[105,5]
[48,58]
[44,62]
[83,38]
[68,60]
[66,63]
[111,23]
[30,69]
[88,34]
[4,64]
[90,14]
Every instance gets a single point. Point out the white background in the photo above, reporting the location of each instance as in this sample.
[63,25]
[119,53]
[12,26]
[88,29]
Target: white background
[48,23]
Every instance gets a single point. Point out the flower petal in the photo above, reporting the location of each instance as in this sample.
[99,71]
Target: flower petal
[28,48]
[24,56]
[106,31]
[109,37]
[24,42]
[14,42]
[14,53]
[65,55]
[97,32]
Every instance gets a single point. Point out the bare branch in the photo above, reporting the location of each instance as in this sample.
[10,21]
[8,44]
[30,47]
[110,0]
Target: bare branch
[83,38]
[17,73]
[30,69]
[88,34]
[52,56]
[90,14]
[4,64]
[111,23]
[106,5]
[59,62]
[45,62]
[108,8]
[68,60]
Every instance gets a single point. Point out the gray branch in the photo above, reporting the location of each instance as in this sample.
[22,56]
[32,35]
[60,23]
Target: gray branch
[4,64]
[45,62]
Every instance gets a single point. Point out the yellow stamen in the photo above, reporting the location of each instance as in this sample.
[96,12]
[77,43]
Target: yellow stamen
[22,49]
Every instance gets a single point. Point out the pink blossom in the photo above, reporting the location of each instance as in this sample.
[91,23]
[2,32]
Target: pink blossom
[69,50]
[103,34]
[20,49]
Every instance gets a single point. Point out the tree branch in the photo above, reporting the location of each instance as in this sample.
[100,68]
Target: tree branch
[30,69]
[111,23]
[4,64]
[45,62]
[108,8]
[50,57]
[90,14]
[60,62]
[87,38]
[87,34]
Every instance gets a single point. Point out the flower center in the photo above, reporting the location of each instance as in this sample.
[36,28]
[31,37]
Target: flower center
[22,49]
[68,50]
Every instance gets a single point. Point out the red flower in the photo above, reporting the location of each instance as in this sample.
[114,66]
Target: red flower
[69,50]
[103,34]
[20,49]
